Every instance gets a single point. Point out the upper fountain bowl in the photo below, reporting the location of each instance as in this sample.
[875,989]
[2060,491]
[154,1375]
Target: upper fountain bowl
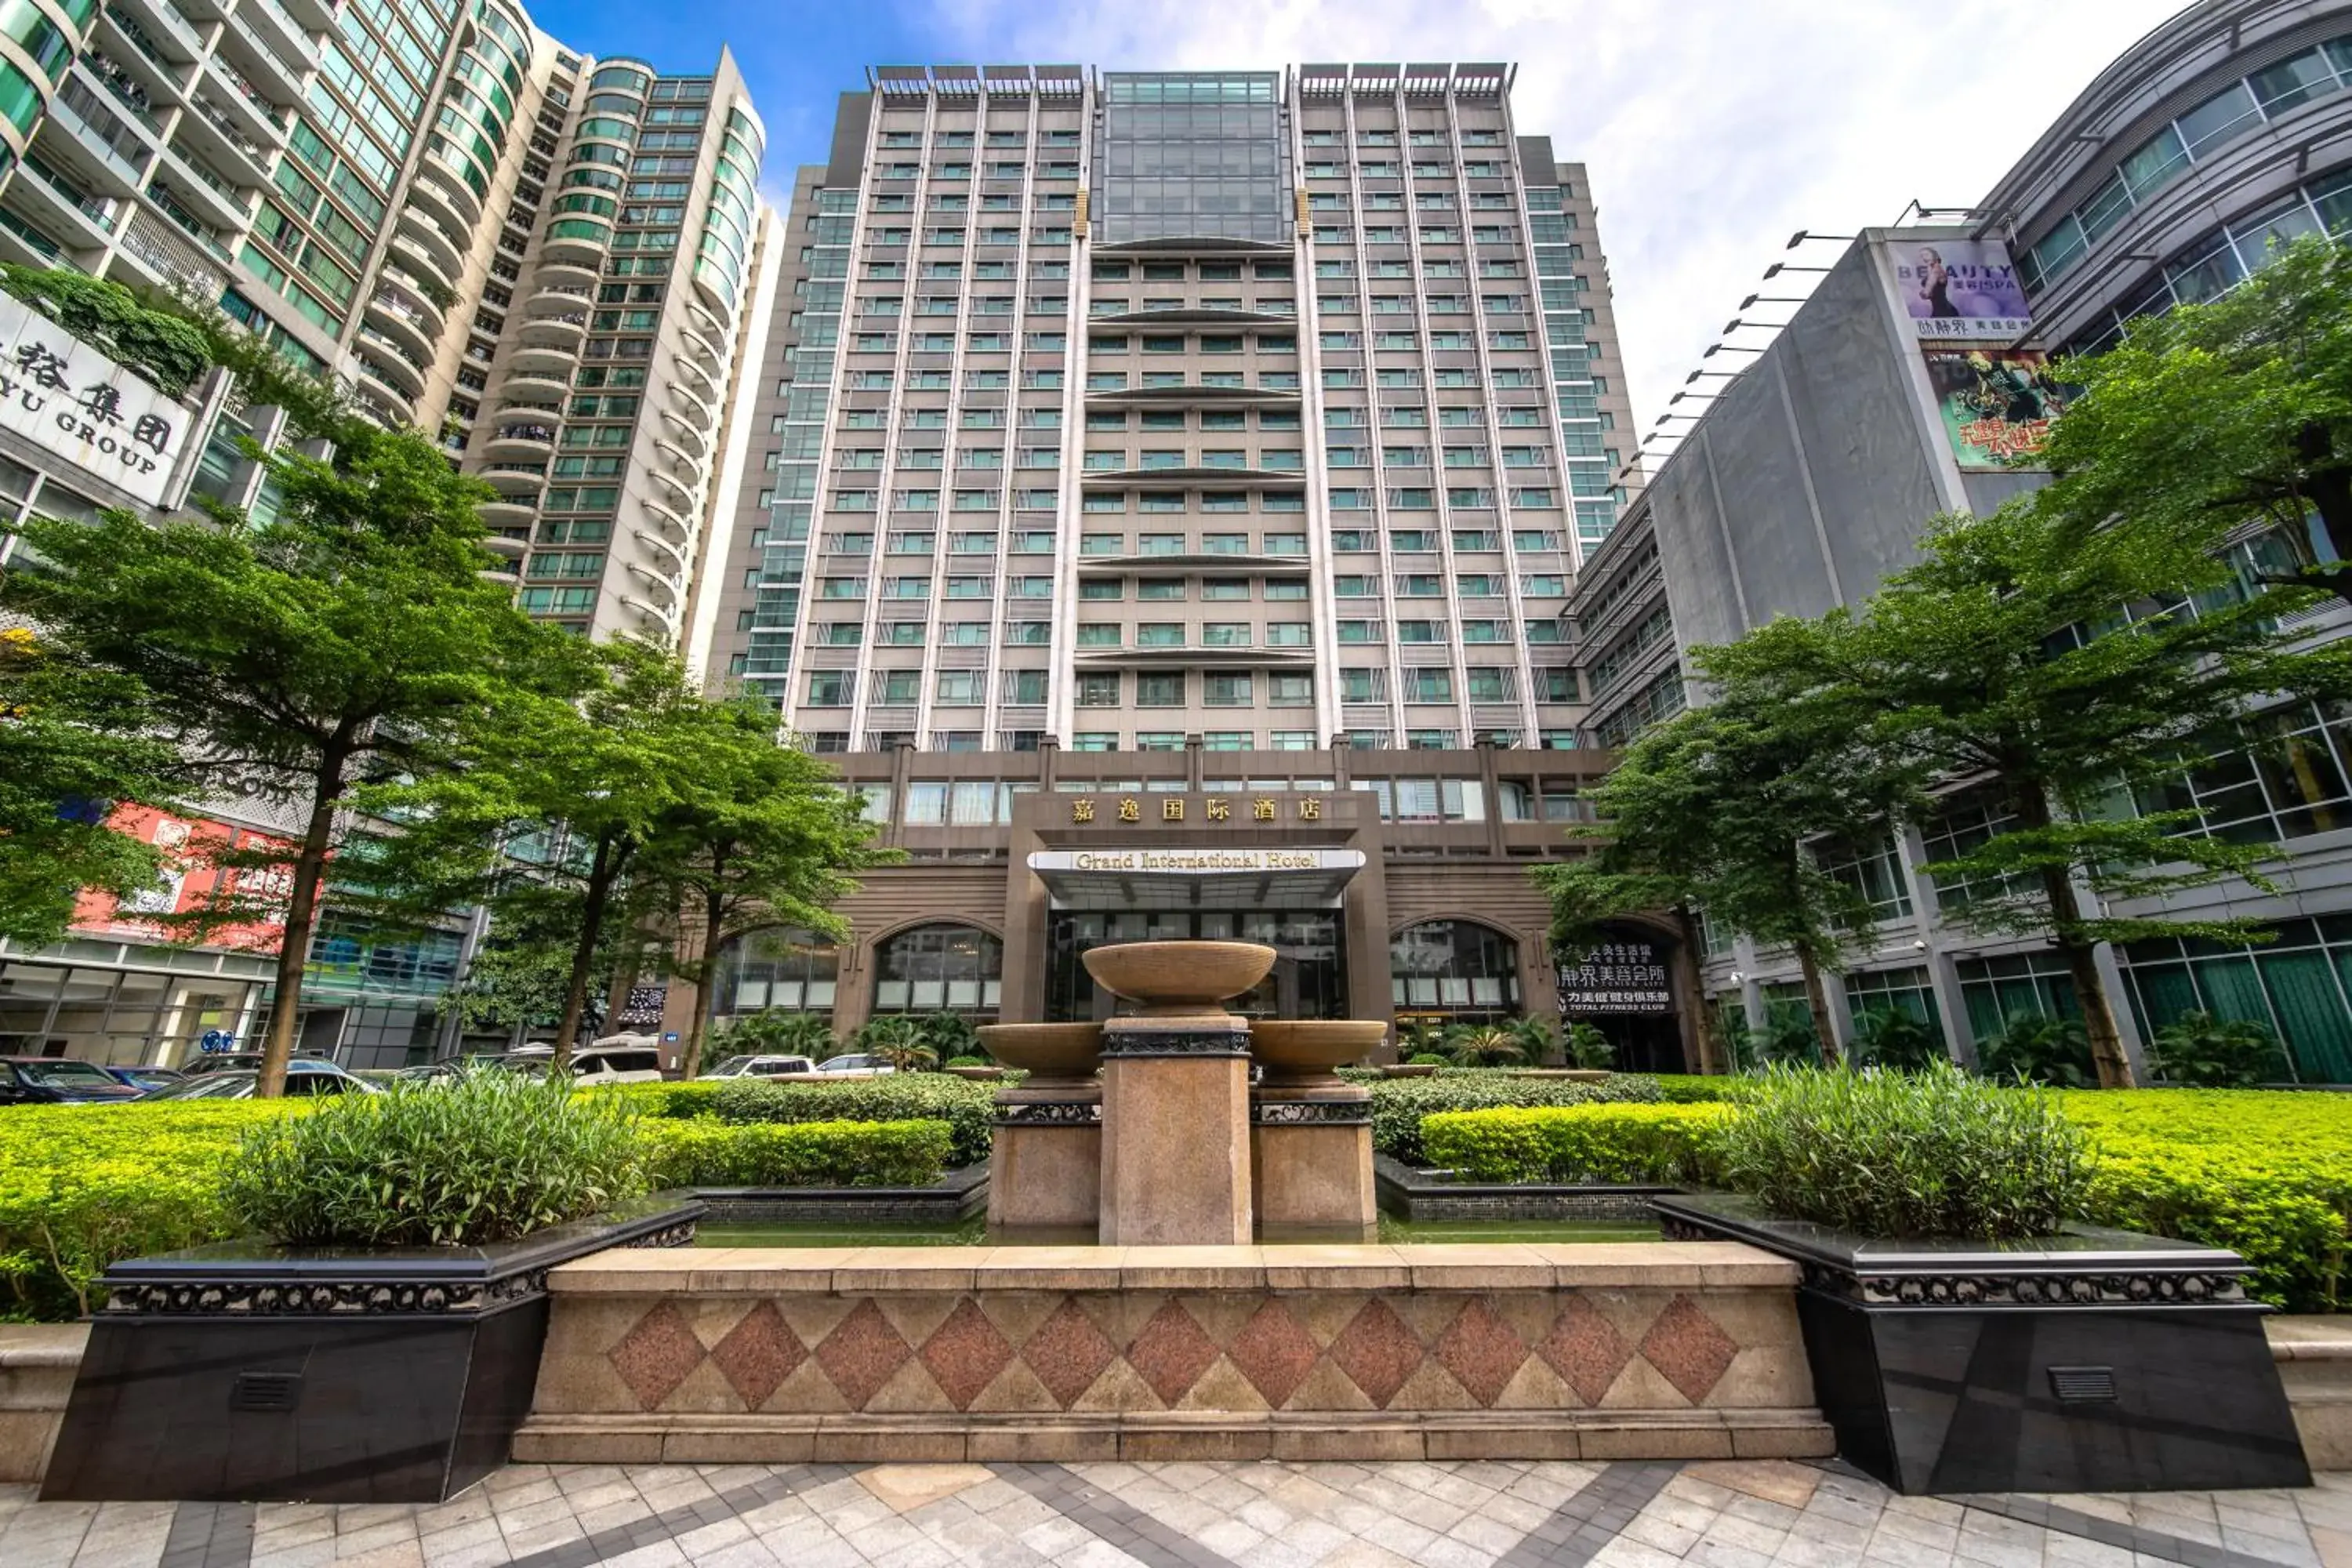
[1173,979]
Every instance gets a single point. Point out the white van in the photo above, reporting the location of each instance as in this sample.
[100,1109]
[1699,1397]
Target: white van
[618,1060]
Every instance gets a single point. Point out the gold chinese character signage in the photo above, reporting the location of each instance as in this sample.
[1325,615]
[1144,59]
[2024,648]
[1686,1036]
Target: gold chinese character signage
[1082,810]
[1213,808]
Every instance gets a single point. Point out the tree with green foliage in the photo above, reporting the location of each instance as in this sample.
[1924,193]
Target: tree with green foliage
[1715,808]
[2079,677]
[521,975]
[161,345]
[761,835]
[549,807]
[2214,419]
[74,740]
[351,636]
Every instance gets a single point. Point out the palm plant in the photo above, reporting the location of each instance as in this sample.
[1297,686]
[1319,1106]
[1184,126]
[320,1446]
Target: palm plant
[775,1031]
[2201,1049]
[898,1041]
[2035,1048]
[1538,1039]
[1485,1045]
[951,1035]
[1891,1037]
[1588,1048]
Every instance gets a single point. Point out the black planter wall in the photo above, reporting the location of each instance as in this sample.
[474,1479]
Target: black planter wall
[2097,1361]
[248,1373]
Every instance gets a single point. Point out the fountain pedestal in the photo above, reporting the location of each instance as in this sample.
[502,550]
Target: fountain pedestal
[1311,1131]
[1044,1164]
[1176,1095]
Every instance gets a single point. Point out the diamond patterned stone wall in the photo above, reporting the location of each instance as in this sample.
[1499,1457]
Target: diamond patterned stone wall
[1041,1350]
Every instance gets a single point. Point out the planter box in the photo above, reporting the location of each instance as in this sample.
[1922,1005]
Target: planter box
[957,1196]
[1411,1194]
[244,1372]
[2096,1361]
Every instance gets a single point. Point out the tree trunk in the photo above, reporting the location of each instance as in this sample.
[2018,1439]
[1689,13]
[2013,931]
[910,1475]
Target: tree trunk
[603,872]
[302,918]
[2107,1055]
[702,973]
[1817,1002]
[1710,1045]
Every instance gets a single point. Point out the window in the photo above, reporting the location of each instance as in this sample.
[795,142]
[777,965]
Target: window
[1224,689]
[1461,967]
[931,968]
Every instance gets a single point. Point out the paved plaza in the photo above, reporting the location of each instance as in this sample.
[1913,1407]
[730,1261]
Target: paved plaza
[1488,1514]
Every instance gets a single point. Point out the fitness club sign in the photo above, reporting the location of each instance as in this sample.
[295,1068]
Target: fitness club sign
[81,407]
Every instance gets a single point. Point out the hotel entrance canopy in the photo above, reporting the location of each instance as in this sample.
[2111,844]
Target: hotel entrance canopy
[1195,878]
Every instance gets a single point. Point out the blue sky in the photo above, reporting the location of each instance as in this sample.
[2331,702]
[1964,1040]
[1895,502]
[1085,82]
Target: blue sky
[1711,129]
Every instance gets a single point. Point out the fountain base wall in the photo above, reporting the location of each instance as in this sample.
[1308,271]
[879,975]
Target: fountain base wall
[1176,1151]
[1311,1157]
[768,1355]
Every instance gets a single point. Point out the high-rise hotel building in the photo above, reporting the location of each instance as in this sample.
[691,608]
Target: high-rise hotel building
[1167,490]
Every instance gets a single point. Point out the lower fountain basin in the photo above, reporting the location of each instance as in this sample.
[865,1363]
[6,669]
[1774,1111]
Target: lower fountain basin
[1308,1048]
[1049,1052]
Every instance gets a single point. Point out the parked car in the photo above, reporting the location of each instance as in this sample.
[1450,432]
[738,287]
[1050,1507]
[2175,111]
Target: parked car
[599,1064]
[763,1067]
[857,1064]
[304,1076]
[146,1077]
[59,1080]
[236,1061]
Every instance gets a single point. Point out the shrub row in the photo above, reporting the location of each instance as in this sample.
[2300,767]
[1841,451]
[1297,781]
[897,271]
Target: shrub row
[2265,1173]
[1662,1144]
[708,1153]
[1399,1104]
[968,1108]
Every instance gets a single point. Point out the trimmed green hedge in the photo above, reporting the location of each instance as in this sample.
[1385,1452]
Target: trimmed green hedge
[82,1187]
[1665,1144]
[1688,1088]
[968,1108]
[708,1153]
[1399,1104]
[2267,1174]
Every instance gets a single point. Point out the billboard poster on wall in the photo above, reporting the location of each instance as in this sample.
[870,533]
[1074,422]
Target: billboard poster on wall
[1997,405]
[1962,290]
[191,879]
[1615,977]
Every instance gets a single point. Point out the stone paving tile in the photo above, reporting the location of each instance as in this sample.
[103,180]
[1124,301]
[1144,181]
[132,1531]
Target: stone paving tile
[1473,1514]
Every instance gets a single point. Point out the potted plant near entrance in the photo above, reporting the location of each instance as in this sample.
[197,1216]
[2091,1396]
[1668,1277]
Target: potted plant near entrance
[1966,1332]
[378,1337]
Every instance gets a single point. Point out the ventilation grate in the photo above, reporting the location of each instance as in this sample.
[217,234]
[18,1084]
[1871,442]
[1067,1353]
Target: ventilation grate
[265,1391]
[2083,1384]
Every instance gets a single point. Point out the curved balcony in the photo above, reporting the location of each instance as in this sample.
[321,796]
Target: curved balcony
[562,274]
[663,514]
[663,587]
[403,321]
[684,494]
[582,240]
[501,544]
[665,547]
[545,361]
[509,511]
[697,407]
[702,346]
[390,363]
[423,264]
[667,620]
[710,323]
[690,435]
[551,298]
[516,478]
[566,331]
[423,230]
[442,181]
[688,466]
[381,397]
[524,441]
[704,381]
[534,383]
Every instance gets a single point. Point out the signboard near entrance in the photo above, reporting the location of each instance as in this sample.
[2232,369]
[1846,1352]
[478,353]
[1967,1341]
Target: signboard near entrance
[1197,862]
[71,401]
[1618,977]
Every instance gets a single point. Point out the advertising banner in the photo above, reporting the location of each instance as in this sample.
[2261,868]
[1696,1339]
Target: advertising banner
[1963,289]
[1616,977]
[191,880]
[1997,405]
[71,401]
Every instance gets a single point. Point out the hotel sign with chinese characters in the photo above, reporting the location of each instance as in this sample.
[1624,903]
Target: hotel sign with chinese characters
[1086,810]
[82,408]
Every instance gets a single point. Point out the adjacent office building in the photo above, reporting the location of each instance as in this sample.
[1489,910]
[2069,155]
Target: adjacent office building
[1167,490]
[553,262]
[1914,380]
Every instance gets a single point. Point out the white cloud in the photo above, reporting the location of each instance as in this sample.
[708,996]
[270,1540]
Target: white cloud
[1711,130]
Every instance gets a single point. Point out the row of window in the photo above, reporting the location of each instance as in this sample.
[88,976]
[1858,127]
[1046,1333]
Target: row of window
[1099,344]
[997,138]
[1428,233]
[1422,169]
[1213,590]
[2243,106]
[1384,138]
[995,169]
[892,236]
[968,688]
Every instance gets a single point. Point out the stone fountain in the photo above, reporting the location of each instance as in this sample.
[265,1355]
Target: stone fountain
[1173,1148]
